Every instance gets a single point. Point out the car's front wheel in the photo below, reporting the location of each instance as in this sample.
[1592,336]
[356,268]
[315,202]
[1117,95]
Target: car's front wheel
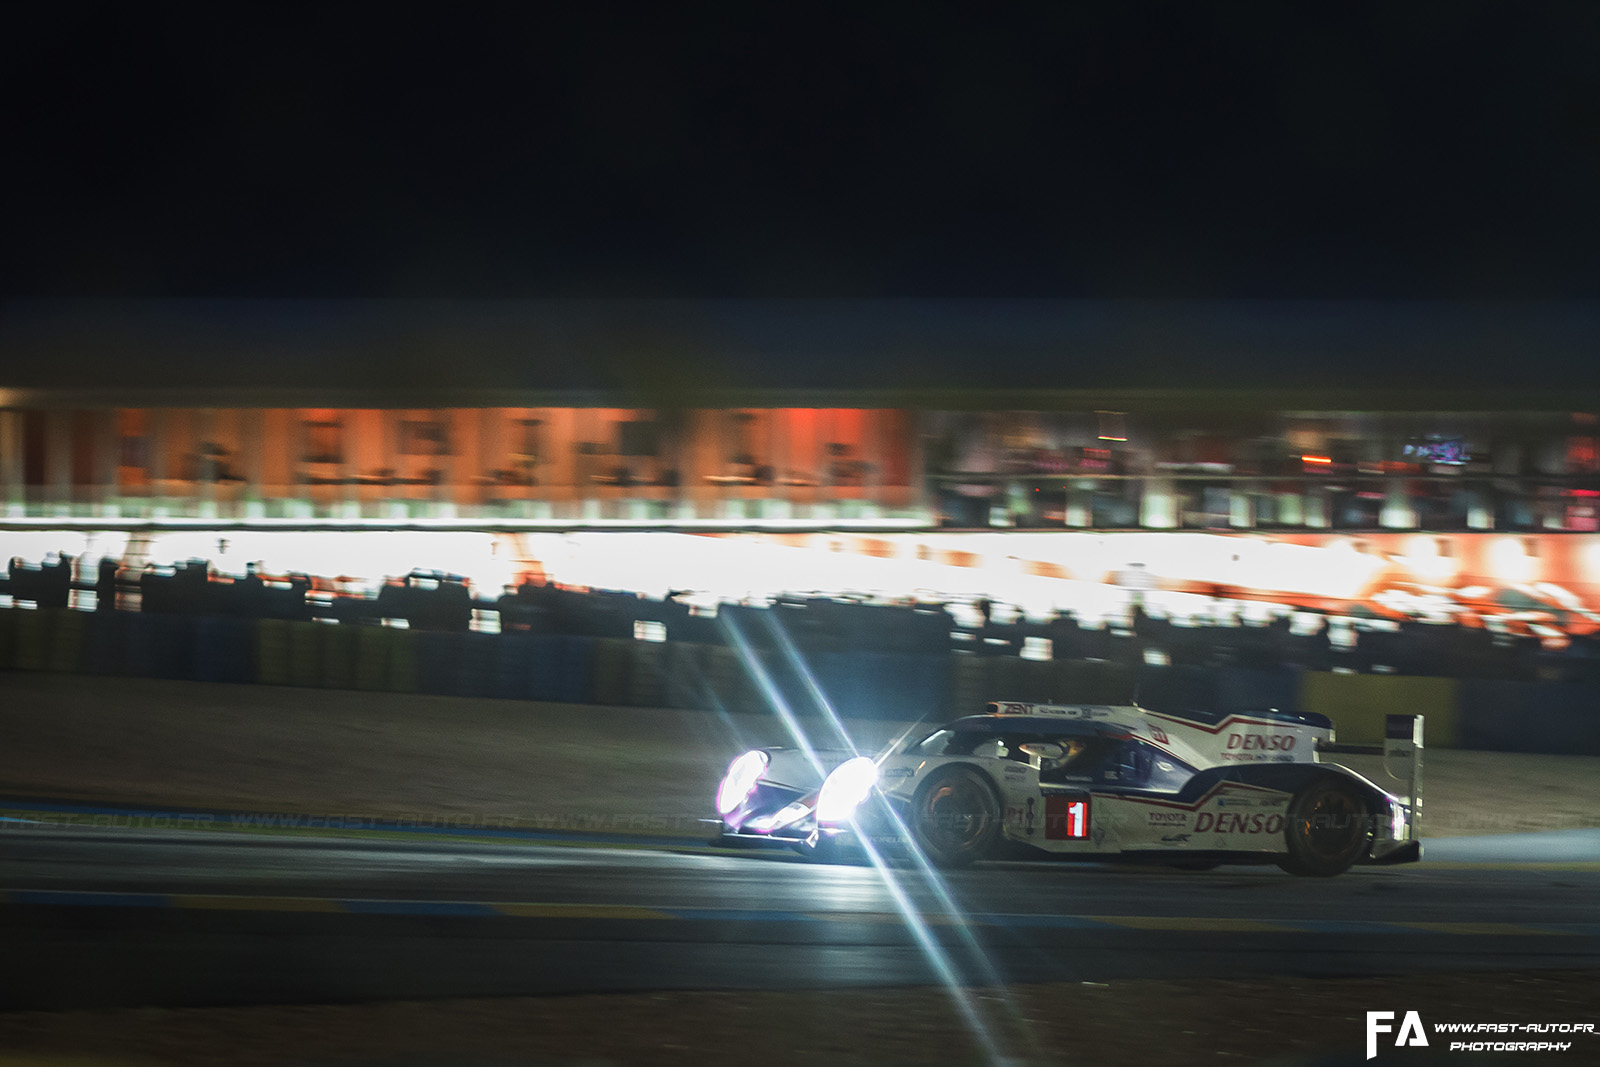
[1328,829]
[955,817]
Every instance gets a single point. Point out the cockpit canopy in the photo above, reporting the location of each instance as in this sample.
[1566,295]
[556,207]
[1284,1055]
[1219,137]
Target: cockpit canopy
[1066,751]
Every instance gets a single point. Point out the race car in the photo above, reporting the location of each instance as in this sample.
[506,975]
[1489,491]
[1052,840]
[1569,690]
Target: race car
[1092,782]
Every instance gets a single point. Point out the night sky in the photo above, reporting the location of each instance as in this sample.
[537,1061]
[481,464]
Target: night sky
[1182,187]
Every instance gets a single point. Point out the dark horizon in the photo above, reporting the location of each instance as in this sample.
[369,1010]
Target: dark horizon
[1154,195]
[1453,346]
[1152,151]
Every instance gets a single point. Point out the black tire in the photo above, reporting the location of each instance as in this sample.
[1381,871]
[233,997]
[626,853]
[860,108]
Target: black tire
[955,817]
[1329,827]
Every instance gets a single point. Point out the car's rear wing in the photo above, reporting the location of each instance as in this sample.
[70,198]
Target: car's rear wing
[1402,758]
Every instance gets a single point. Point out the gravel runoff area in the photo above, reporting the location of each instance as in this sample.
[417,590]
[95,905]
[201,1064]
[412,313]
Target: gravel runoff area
[324,752]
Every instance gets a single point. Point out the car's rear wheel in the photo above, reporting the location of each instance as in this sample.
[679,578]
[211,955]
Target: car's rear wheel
[1328,828]
[955,816]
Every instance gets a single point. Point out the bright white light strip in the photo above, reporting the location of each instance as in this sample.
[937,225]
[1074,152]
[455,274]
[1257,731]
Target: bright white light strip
[910,914]
[935,955]
[786,645]
[940,960]
[752,664]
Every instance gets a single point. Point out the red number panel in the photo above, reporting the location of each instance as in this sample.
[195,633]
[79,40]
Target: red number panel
[1066,818]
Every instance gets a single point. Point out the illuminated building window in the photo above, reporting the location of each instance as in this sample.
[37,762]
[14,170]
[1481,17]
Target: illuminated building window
[424,437]
[741,450]
[215,463]
[324,442]
[133,444]
[134,451]
[528,440]
[636,438]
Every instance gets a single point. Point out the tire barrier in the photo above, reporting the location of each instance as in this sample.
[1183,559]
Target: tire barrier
[898,686]
[966,685]
[8,638]
[1069,681]
[437,662]
[31,651]
[859,685]
[630,673]
[647,679]
[1358,703]
[1250,689]
[1545,717]
[65,654]
[560,668]
[222,650]
[511,666]
[161,646]
[475,664]
[1223,689]
[402,659]
[976,680]
[1176,688]
[727,681]
[455,664]
[46,639]
[305,654]
[272,652]
[611,670]
[684,666]
[543,662]
[576,673]
[337,645]
[372,658]
[1006,674]
[1535,717]
[107,651]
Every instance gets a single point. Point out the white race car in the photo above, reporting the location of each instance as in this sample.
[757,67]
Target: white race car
[1093,782]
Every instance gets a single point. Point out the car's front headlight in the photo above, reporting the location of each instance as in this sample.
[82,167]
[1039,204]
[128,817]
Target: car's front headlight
[845,789]
[743,774]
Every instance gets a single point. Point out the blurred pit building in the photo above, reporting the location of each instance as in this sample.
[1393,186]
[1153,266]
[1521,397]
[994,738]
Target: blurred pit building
[803,414]
[1234,460]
